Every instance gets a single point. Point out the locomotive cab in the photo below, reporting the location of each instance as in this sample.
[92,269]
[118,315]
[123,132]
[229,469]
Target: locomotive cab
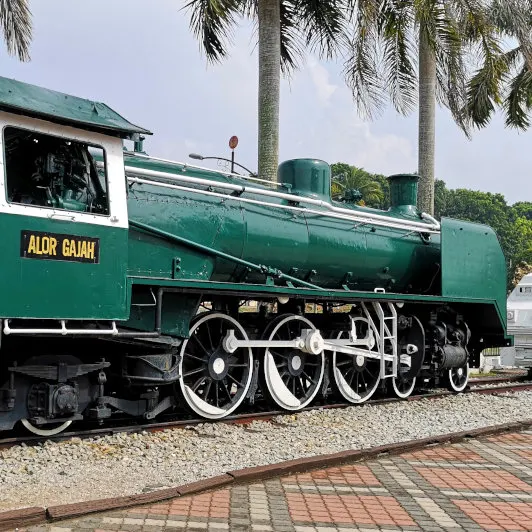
[63,206]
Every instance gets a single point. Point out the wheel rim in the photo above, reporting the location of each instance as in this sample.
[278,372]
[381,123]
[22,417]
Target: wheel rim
[212,381]
[55,428]
[293,378]
[403,387]
[356,377]
[458,378]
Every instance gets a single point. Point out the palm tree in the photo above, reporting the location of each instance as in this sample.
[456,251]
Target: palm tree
[15,19]
[286,27]
[345,178]
[423,52]
[512,88]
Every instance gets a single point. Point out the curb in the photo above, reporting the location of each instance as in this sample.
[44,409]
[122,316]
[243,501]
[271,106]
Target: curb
[37,515]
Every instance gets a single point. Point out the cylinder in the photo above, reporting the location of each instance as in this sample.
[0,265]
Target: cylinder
[453,356]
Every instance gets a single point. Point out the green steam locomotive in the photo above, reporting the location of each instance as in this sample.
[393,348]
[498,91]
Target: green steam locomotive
[139,286]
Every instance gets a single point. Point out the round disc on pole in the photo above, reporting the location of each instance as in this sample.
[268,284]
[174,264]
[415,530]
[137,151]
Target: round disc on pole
[233,142]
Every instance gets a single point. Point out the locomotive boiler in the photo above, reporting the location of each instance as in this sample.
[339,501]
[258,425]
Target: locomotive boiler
[136,285]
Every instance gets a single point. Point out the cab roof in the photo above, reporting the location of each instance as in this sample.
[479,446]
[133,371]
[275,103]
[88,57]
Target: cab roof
[31,100]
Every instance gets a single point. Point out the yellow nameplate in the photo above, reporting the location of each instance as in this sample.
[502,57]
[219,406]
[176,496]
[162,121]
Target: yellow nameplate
[53,246]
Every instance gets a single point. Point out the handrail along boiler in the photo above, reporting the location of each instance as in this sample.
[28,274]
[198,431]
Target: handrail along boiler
[137,285]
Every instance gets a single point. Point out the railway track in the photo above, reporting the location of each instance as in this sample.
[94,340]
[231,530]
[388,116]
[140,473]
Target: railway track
[486,385]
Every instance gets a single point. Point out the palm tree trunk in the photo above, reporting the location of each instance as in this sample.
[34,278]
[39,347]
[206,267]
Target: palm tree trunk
[427,121]
[269,14]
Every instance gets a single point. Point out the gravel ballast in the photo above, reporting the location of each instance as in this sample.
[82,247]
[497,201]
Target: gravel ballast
[124,464]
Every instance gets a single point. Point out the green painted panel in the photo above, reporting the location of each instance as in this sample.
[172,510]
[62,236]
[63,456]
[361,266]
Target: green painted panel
[62,289]
[178,311]
[63,108]
[473,263]
[192,217]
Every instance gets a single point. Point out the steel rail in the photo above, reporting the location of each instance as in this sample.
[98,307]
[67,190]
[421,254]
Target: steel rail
[247,418]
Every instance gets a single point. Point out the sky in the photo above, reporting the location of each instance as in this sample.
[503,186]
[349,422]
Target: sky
[141,59]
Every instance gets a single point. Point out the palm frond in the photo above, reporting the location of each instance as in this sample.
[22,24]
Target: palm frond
[484,91]
[360,69]
[15,18]
[212,21]
[518,102]
[396,22]
[451,70]
[323,24]
[291,48]
[485,87]
[514,19]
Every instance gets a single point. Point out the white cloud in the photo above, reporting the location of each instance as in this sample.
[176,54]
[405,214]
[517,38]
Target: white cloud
[320,78]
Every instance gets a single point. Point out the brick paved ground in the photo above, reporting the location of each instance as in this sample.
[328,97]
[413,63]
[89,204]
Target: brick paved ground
[481,484]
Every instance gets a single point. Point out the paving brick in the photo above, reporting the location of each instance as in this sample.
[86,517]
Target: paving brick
[479,485]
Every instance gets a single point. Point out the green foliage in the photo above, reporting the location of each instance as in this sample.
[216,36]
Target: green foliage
[373,188]
[522,209]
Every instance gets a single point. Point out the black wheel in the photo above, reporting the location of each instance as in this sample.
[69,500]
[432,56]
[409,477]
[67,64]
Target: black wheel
[291,377]
[213,383]
[52,429]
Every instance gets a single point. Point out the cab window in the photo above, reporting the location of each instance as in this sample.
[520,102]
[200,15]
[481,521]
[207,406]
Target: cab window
[47,171]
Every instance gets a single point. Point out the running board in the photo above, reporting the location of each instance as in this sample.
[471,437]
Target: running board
[63,331]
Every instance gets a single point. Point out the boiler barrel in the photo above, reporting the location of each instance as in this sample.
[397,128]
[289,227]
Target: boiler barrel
[330,252]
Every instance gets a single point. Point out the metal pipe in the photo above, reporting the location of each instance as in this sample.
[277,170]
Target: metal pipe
[303,210]
[266,270]
[279,195]
[221,172]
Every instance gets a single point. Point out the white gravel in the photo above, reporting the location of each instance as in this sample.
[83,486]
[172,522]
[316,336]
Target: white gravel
[123,464]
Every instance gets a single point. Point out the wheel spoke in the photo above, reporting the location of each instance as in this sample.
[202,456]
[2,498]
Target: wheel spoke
[207,390]
[313,381]
[208,329]
[193,372]
[238,383]
[195,337]
[188,355]
[224,386]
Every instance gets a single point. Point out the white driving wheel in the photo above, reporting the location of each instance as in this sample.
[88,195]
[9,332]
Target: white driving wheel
[213,383]
[356,377]
[292,377]
[402,387]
